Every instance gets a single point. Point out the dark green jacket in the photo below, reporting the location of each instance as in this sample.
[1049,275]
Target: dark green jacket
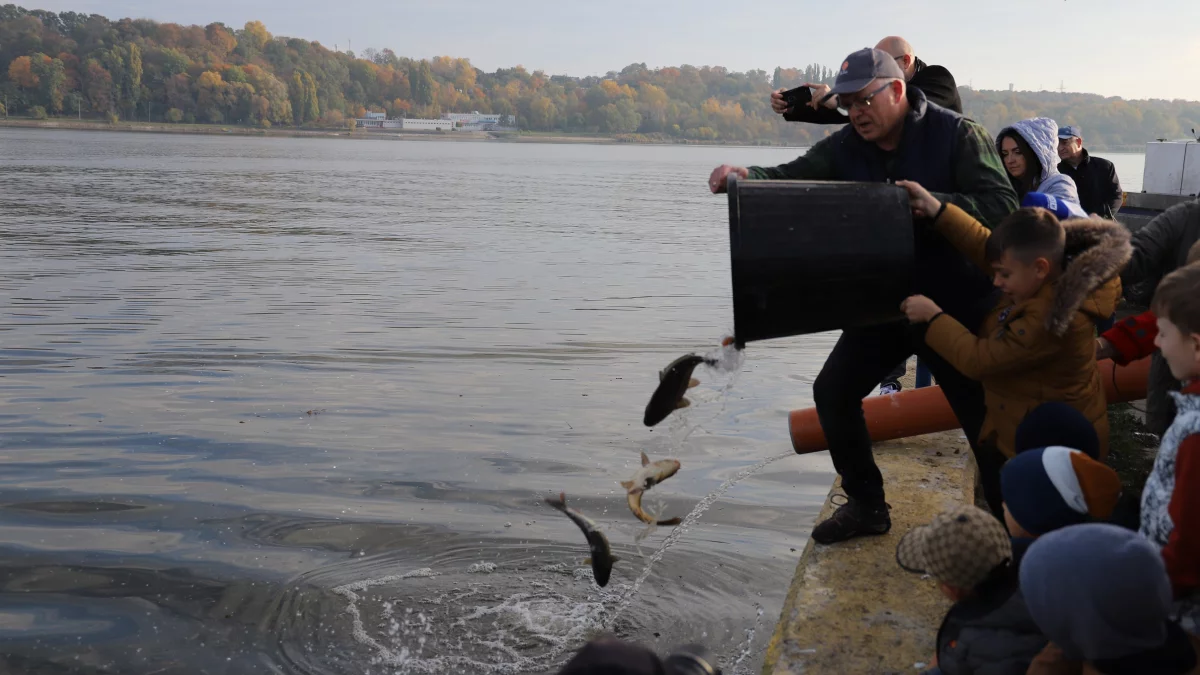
[983,189]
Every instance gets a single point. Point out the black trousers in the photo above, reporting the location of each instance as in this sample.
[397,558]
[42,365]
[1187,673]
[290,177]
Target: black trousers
[861,358]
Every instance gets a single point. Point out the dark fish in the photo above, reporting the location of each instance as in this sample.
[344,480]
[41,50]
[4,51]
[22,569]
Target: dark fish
[673,383]
[602,558]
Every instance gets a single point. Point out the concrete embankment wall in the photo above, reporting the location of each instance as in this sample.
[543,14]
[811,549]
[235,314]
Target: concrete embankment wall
[850,608]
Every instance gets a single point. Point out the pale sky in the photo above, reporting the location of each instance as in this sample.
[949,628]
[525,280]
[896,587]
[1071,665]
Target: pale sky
[1128,48]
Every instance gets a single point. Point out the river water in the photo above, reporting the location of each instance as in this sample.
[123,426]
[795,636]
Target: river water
[291,405]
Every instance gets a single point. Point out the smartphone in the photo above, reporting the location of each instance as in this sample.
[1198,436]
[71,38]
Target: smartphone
[795,98]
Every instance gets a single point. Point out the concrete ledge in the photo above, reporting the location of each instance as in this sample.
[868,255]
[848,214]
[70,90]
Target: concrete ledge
[850,608]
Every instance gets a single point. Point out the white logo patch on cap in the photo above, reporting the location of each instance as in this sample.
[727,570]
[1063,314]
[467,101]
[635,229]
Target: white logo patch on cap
[1056,460]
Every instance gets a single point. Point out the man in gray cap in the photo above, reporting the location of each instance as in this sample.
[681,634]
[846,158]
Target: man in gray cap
[894,136]
[1096,178]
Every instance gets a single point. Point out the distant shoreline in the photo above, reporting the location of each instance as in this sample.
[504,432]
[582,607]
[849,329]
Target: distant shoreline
[291,132]
[453,136]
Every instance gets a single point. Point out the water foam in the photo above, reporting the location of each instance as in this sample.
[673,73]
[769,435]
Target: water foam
[743,650]
[541,617]
[358,631]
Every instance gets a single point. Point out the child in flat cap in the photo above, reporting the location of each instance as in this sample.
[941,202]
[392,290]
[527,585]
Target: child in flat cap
[969,554]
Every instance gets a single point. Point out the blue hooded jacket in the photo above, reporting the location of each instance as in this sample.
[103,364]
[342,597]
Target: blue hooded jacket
[1041,133]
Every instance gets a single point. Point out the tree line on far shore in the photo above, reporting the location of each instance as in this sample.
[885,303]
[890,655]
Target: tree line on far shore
[68,64]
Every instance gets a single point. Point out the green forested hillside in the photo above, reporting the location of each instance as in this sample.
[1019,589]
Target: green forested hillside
[68,63]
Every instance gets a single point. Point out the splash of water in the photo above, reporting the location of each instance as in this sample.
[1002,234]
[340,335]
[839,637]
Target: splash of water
[724,360]
[541,618]
[728,358]
[490,635]
[359,631]
[744,649]
[689,520]
[544,615]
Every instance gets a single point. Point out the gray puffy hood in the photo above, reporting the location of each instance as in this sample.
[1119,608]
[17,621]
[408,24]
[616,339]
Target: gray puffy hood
[1041,133]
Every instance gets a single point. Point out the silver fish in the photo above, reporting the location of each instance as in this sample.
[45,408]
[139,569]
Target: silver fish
[651,474]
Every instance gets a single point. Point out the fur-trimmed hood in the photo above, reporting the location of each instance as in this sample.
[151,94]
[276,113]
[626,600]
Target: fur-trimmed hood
[1096,251]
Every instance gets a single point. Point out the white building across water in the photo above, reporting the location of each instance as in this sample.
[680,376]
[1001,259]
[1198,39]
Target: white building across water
[449,122]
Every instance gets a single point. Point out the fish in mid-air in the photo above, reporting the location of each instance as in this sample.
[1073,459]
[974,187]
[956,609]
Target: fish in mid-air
[651,474]
[673,383]
[602,558]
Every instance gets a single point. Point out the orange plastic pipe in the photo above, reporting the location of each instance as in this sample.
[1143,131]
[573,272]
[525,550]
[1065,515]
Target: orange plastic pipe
[925,411]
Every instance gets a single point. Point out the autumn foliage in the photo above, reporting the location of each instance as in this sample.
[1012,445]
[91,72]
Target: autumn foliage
[71,63]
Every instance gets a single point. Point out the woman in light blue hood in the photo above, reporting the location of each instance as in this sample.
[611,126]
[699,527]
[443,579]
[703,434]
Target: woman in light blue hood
[1029,150]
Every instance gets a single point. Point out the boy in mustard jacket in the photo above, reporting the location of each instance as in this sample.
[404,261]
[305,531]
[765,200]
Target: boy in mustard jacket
[1038,343]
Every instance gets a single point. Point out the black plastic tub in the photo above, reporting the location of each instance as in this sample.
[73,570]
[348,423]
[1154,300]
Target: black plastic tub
[813,256]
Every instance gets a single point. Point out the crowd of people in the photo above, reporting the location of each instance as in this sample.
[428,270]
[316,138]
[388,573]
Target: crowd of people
[1019,266]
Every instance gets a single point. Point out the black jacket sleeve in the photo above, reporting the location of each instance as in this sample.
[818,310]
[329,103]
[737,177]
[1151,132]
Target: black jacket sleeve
[939,87]
[1113,192]
[1156,246]
[821,115]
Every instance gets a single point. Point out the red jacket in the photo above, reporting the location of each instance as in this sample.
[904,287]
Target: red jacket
[1133,337]
[1182,551]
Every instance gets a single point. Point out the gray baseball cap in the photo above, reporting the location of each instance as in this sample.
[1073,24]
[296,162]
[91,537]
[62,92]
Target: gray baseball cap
[1071,131]
[862,67]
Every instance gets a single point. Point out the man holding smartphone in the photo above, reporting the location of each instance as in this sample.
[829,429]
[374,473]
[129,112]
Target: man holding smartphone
[935,81]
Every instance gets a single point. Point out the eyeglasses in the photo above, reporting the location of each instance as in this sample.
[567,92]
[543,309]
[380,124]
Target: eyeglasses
[864,102]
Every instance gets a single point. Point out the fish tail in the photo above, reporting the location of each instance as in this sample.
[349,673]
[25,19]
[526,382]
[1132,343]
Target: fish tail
[645,459]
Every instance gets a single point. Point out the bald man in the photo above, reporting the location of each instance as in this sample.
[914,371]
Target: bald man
[935,81]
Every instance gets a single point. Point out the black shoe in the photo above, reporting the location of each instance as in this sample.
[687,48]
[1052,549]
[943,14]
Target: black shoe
[853,519]
[890,387]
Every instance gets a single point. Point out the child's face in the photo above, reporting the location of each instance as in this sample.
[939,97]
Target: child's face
[952,593]
[1181,350]
[1020,280]
[1014,528]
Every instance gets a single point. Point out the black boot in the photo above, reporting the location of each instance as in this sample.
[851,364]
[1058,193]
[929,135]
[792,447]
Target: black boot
[853,519]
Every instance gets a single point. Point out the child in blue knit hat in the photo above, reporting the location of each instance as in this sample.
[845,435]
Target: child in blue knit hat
[1047,489]
[1056,423]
